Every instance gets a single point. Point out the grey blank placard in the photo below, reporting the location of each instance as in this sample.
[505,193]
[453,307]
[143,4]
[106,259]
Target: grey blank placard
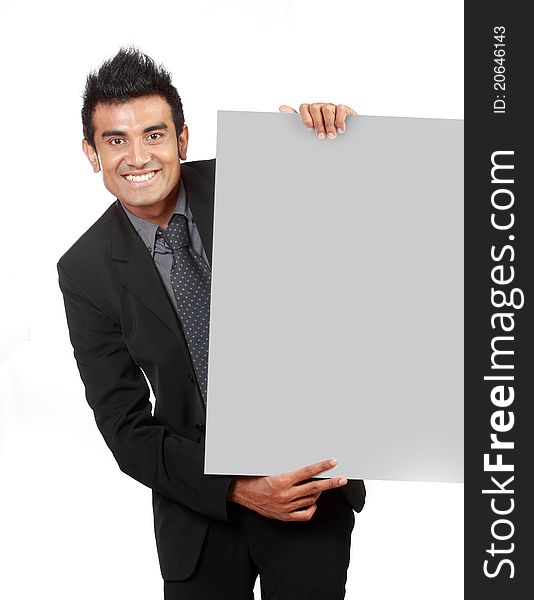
[337,298]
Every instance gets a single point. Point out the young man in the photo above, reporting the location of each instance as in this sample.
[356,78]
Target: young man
[136,289]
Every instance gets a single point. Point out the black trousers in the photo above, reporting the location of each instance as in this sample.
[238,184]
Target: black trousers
[295,560]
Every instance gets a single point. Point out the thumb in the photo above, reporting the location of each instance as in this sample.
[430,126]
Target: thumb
[286,109]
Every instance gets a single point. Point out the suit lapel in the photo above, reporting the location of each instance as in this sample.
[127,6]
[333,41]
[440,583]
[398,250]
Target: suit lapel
[199,191]
[139,274]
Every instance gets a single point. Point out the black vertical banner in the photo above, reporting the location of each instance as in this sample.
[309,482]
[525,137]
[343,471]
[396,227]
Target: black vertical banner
[499,260]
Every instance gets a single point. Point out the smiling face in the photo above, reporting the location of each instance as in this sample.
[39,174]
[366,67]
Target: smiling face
[138,152]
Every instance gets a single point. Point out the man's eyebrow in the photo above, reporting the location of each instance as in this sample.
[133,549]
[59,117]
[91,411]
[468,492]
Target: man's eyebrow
[155,127]
[110,132]
[117,132]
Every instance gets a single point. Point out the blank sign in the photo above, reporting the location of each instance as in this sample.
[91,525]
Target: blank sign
[337,298]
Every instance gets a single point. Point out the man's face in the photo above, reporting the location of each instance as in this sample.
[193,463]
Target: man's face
[138,152]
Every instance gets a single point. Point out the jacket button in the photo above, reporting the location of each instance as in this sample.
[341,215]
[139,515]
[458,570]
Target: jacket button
[200,426]
[191,378]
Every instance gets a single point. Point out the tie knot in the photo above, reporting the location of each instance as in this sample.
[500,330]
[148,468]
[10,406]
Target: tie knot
[177,232]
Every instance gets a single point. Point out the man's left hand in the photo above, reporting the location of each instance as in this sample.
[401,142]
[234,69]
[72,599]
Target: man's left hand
[324,118]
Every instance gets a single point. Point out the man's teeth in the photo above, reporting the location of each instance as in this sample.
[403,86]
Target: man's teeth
[143,177]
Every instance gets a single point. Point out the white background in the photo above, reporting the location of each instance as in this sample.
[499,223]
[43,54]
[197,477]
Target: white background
[72,525]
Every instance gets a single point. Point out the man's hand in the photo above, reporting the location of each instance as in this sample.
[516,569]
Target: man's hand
[286,497]
[324,118]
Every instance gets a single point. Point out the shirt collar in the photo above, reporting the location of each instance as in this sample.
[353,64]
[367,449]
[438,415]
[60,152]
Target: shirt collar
[147,230]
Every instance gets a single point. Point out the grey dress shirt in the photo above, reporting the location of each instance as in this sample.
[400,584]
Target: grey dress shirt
[158,248]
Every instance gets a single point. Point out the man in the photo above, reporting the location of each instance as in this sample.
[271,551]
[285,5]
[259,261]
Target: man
[136,291]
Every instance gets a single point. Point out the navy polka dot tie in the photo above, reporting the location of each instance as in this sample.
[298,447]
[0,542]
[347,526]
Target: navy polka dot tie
[191,284]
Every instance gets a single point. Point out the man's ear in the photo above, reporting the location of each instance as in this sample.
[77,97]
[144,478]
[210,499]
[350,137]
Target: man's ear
[183,139]
[91,154]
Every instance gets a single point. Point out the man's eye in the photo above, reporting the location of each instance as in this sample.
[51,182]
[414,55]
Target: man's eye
[116,141]
[154,136]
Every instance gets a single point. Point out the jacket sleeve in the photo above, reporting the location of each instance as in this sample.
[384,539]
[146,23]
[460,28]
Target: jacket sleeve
[118,394]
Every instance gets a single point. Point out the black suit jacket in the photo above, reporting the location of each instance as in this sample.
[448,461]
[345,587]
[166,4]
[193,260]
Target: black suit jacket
[121,325]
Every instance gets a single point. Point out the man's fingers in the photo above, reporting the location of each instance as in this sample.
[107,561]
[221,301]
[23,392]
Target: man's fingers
[302,515]
[305,116]
[318,122]
[341,115]
[309,471]
[319,485]
[286,109]
[303,502]
[325,118]
[329,113]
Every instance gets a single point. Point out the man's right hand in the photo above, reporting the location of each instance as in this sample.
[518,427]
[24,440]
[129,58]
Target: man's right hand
[286,497]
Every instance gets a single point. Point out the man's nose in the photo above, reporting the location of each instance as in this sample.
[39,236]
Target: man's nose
[138,154]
